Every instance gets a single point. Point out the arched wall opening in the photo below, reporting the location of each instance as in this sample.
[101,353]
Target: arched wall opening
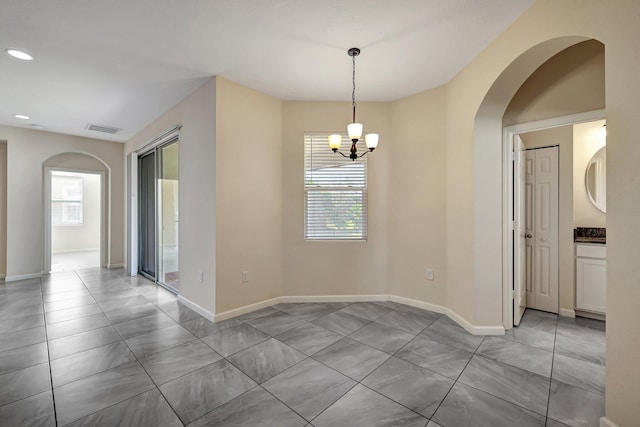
[78,162]
[490,271]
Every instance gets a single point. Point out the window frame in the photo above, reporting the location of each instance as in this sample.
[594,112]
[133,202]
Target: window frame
[65,202]
[323,138]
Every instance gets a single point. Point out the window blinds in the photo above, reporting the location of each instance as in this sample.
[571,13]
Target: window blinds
[335,190]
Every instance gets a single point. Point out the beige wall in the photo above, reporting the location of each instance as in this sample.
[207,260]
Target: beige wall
[248,183]
[3,209]
[27,151]
[85,236]
[197,189]
[587,140]
[335,268]
[563,137]
[570,82]
[477,98]
[417,218]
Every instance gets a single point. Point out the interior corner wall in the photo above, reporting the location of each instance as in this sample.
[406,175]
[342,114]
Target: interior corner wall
[27,150]
[248,195]
[197,189]
[417,218]
[549,25]
[563,137]
[330,267]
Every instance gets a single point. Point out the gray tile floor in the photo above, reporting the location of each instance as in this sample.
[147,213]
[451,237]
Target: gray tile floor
[98,348]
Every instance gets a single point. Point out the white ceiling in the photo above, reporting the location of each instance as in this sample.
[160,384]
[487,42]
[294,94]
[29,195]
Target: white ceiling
[123,63]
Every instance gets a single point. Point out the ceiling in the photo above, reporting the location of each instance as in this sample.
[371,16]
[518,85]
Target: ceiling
[122,63]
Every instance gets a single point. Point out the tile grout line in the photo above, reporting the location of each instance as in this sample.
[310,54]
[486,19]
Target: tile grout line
[357,382]
[456,381]
[369,322]
[139,363]
[48,362]
[46,338]
[260,385]
[553,359]
[115,367]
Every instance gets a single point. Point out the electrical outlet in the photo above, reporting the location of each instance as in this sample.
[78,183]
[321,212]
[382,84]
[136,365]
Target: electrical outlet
[430,274]
[245,276]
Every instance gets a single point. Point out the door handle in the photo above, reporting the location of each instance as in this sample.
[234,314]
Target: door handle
[543,239]
[528,235]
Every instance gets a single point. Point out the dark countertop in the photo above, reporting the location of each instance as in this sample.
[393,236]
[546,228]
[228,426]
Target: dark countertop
[597,240]
[590,235]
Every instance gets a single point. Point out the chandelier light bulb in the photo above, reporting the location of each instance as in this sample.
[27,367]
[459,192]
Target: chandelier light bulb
[372,140]
[335,141]
[355,131]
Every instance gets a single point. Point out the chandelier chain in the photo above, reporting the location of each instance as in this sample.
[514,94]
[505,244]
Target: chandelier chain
[353,92]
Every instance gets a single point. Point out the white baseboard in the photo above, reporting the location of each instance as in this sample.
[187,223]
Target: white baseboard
[474,330]
[246,309]
[606,422]
[112,266]
[567,312]
[68,251]
[333,298]
[22,277]
[198,309]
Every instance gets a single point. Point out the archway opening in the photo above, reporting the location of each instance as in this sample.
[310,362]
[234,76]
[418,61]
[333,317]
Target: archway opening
[493,246]
[76,212]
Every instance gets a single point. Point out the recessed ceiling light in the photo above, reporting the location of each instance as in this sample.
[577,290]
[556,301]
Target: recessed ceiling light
[21,116]
[20,54]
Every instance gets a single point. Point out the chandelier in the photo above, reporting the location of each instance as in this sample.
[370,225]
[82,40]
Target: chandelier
[354,130]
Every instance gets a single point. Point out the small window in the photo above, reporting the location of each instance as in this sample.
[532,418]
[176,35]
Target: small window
[335,190]
[66,199]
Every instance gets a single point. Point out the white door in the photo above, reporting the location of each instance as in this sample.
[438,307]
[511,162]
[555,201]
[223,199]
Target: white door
[542,229]
[519,256]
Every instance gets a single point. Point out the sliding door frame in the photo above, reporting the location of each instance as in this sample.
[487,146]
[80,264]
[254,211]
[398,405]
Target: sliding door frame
[142,245]
[134,245]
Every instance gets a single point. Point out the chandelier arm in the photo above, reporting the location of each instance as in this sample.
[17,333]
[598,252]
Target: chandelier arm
[341,153]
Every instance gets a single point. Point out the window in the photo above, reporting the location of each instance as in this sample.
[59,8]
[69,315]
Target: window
[66,199]
[335,192]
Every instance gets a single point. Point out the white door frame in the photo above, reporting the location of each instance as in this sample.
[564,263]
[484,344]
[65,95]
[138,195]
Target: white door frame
[508,133]
[104,213]
[132,214]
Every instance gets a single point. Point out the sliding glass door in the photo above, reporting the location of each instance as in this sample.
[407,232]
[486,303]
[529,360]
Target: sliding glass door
[168,273]
[159,215]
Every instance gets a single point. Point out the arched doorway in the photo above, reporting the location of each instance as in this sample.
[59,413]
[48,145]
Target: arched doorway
[491,205]
[76,219]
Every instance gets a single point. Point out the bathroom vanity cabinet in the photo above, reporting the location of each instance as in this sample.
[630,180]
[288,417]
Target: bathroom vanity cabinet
[591,277]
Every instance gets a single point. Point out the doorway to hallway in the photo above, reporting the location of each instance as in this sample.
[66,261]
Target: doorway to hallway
[75,218]
[557,295]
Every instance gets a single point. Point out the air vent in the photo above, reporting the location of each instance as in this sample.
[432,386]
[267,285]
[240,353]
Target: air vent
[101,128]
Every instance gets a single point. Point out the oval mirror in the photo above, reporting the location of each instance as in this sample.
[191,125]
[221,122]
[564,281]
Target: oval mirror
[596,179]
